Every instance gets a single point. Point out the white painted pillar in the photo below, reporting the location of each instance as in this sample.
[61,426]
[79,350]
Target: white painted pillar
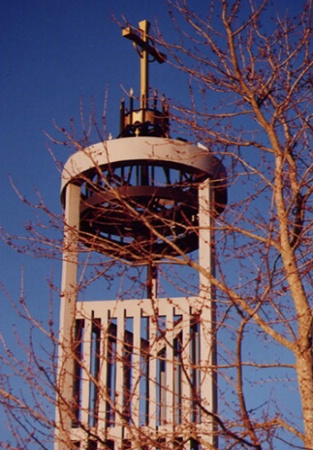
[67,317]
[208,386]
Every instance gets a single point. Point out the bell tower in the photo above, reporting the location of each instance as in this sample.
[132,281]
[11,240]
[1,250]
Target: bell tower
[139,373]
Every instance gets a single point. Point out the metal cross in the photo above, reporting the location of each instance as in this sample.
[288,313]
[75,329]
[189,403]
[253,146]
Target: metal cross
[141,40]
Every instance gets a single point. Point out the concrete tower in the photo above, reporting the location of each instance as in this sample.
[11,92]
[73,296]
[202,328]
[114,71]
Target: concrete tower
[137,373]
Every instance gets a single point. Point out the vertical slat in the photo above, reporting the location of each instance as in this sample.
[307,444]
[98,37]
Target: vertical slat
[136,313]
[110,381]
[103,314]
[94,385]
[186,389]
[86,370]
[178,373]
[146,357]
[120,315]
[153,371]
[170,332]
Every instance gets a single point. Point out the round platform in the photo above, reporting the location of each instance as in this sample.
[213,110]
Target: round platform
[139,195]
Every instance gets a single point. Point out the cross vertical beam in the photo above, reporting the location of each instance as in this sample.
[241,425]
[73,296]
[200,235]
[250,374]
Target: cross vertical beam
[144,26]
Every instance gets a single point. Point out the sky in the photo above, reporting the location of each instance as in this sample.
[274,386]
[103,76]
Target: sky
[53,54]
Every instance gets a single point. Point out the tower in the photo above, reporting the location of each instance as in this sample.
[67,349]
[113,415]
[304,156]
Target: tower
[139,373]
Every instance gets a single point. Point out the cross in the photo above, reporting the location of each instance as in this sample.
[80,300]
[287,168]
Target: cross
[141,40]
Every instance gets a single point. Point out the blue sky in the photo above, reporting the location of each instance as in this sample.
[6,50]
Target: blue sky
[54,53]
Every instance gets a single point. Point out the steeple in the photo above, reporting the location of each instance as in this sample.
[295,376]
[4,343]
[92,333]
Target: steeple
[147,120]
[131,371]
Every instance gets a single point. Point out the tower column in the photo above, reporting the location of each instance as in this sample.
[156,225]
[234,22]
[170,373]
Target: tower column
[69,289]
[207,354]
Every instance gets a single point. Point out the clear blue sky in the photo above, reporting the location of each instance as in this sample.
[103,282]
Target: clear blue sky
[53,52]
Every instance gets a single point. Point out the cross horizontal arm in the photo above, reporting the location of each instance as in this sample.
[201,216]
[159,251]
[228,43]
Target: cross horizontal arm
[130,34]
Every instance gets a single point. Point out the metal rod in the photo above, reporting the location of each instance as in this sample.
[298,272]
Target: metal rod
[152,281]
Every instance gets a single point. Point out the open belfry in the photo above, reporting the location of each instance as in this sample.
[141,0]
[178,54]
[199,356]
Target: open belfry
[139,373]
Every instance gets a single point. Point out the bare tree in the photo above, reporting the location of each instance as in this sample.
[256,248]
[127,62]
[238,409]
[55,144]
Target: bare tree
[260,124]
